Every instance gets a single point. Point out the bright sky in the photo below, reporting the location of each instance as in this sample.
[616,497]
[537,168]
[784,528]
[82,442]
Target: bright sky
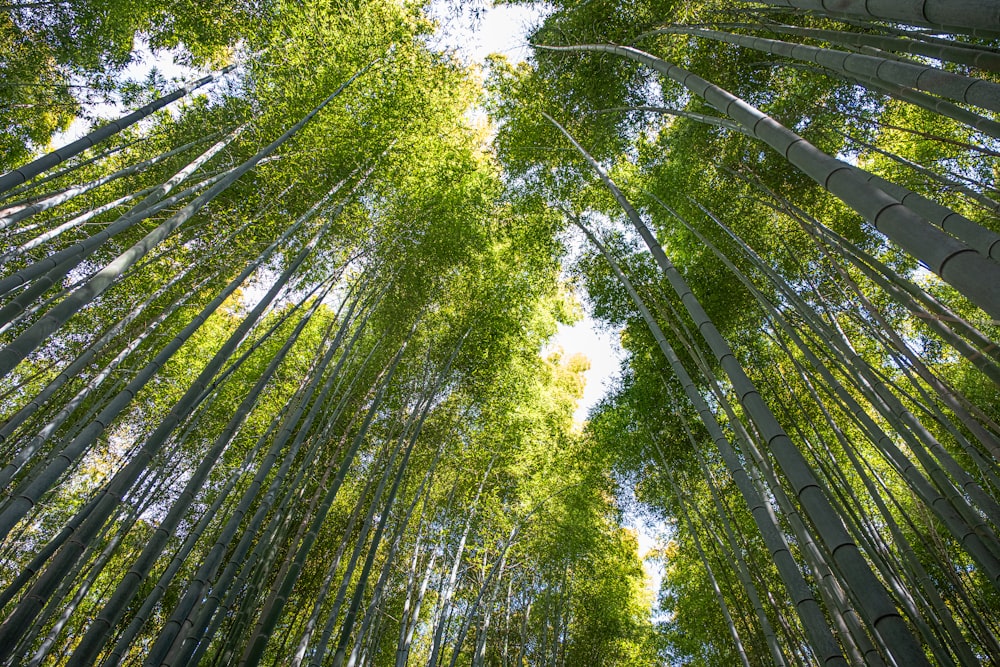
[601,348]
[501,29]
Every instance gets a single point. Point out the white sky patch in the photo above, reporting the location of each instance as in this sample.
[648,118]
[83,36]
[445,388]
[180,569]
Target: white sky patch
[604,352]
[164,61]
[601,346]
[504,29]
[474,35]
[651,536]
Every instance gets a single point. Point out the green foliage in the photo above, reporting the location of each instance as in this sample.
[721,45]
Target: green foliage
[416,405]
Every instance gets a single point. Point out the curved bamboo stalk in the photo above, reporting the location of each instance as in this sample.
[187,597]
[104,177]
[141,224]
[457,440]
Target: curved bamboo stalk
[980,18]
[54,267]
[72,223]
[978,122]
[37,333]
[29,494]
[30,449]
[692,530]
[197,627]
[15,625]
[331,571]
[88,355]
[180,555]
[933,313]
[15,212]
[266,624]
[958,264]
[352,611]
[950,52]
[958,87]
[983,240]
[959,517]
[29,186]
[949,183]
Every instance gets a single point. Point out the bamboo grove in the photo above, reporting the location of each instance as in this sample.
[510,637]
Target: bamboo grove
[273,383]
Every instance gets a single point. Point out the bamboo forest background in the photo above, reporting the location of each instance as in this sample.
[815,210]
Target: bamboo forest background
[275,385]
